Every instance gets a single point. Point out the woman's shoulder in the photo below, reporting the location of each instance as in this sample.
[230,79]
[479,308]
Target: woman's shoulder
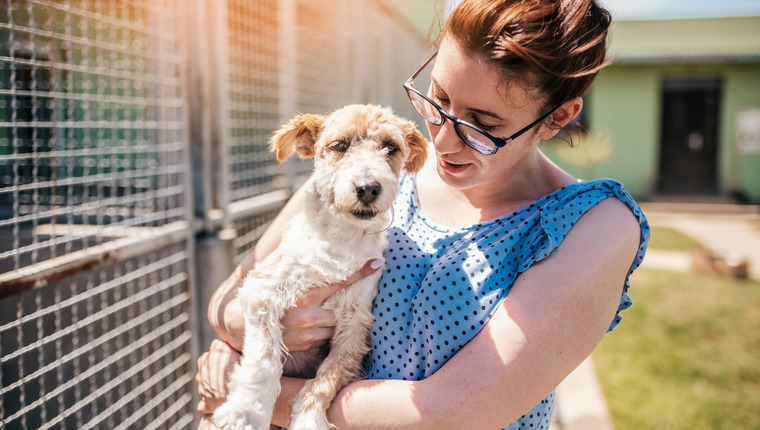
[589,207]
[597,212]
[576,199]
[614,214]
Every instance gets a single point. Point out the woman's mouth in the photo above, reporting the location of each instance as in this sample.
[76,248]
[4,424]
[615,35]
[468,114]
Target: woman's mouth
[451,167]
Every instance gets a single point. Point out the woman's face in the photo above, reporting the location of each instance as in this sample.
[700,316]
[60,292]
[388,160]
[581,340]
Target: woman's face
[474,91]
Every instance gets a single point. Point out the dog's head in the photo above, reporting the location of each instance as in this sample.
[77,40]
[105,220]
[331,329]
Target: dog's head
[359,152]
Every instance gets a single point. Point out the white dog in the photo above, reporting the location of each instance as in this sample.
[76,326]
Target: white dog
[359,152]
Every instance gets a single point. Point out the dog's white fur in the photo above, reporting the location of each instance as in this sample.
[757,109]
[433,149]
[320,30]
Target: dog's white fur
[359,152]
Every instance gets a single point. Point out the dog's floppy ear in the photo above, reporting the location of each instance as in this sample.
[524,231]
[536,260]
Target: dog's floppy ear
[417,147]
[299,134]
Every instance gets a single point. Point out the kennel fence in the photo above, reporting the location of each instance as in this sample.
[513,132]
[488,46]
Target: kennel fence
[133,142]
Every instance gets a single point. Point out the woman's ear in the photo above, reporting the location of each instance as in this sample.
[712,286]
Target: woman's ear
[560,118]
[300,134]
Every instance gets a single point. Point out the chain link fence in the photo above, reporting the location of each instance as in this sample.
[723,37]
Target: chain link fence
[133,155]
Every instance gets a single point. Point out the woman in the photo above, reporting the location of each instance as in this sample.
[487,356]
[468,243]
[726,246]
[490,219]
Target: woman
[504,272]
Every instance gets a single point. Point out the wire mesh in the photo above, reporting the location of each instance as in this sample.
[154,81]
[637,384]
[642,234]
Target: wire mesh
[91,123]
[297,56]
[96,254]
[252,97]
[103,349]
[249,230]
[92,119]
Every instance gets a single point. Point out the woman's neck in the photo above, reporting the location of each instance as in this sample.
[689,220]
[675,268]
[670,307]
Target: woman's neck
[456,207]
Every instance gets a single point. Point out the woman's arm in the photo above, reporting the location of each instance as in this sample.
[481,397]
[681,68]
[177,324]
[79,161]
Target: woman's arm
[555,315]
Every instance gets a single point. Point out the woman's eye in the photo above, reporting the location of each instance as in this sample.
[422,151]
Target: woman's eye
[440,101]
[340,146]
[480,125]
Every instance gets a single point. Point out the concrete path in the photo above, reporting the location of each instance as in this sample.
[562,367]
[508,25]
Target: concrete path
[731,231]
[580,403]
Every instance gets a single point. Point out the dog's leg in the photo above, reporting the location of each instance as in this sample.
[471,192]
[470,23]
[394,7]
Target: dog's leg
[255,383]
[342,365]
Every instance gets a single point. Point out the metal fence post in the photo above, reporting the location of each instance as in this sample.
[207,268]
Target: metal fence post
[362,93]
[214,251]
[215,261]
[288,69]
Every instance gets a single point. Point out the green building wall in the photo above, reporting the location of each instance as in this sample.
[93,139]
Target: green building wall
[741,91]
[624,103]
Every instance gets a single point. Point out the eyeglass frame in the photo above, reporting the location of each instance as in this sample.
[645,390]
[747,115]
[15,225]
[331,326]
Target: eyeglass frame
[497,141]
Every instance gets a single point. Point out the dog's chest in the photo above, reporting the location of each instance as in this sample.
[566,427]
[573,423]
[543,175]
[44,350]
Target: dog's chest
[337,251]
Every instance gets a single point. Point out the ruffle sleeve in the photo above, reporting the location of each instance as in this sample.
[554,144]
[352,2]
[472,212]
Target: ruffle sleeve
[564,209]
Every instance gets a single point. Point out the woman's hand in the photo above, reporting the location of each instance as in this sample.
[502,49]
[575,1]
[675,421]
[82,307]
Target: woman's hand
[214,366]
[307,325]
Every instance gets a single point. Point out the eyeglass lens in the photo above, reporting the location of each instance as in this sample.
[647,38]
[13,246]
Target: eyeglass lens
[427,110]
[474,138]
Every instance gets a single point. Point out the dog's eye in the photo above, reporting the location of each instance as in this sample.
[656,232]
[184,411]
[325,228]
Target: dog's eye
[340,146]
[390,146]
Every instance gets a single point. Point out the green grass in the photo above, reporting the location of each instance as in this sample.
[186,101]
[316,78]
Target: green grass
[686,356]
[668,239]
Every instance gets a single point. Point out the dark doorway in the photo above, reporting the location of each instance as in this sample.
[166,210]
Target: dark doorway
[689,137]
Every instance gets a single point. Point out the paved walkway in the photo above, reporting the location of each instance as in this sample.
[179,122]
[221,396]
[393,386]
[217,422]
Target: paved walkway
[731,231]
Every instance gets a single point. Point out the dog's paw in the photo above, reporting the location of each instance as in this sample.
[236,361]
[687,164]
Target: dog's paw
[309,420]
[229,417]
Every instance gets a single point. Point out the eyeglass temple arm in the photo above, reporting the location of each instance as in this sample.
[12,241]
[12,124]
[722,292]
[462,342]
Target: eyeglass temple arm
[529,126]
[432,56]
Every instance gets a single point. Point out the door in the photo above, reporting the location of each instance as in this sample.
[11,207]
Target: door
[689,137]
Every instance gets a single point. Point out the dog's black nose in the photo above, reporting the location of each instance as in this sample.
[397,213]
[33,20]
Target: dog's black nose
[368,193]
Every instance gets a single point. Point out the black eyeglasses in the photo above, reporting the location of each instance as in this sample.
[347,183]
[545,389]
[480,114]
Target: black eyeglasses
[474,137]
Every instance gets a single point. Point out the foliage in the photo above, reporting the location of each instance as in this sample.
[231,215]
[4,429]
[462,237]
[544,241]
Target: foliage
[589,150]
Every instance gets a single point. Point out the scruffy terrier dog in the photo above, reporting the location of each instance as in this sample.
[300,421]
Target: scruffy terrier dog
[359,152]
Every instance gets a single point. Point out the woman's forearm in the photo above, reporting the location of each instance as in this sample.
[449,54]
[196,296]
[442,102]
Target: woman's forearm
[358,405]
[225,313]
[380,404]
[284,405]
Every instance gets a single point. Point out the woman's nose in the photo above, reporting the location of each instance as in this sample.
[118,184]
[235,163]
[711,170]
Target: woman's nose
[445,137]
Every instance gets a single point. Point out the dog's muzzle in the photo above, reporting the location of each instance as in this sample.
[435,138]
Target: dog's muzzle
[366,195]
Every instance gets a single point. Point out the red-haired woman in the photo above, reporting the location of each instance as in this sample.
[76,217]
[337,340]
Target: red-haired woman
[504,271]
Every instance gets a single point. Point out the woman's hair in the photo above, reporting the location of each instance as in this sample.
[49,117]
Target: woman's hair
[556,45]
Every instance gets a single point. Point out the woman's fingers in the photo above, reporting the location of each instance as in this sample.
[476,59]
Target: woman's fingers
[321,294]
[307,325]
[369,268]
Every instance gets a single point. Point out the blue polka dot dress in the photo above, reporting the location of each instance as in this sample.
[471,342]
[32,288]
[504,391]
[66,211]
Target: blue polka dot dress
[441,285]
